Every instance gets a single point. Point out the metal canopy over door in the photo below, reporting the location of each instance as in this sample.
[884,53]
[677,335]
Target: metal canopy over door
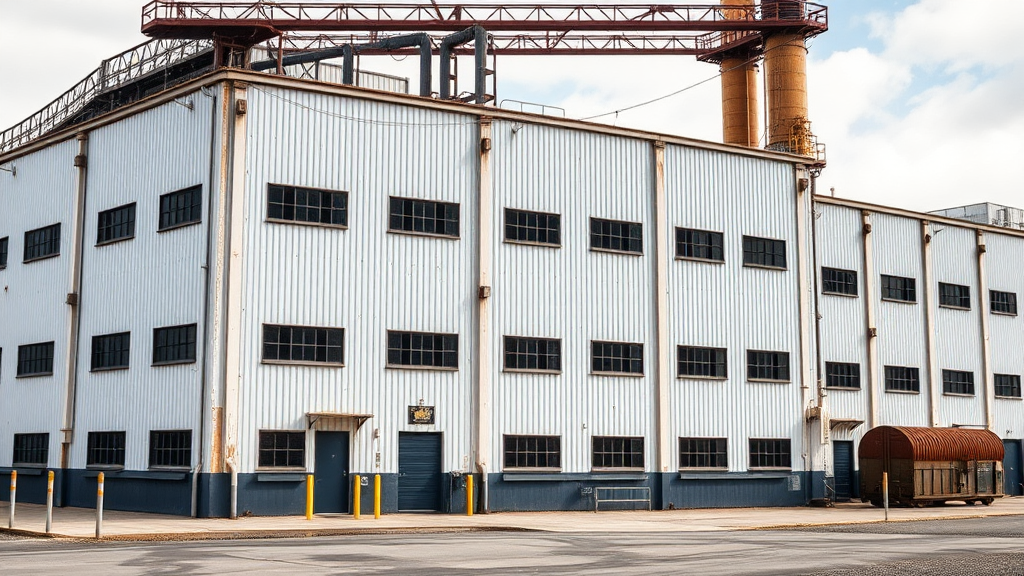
[331,478]
[1012,476]
[842,457]
[419,472]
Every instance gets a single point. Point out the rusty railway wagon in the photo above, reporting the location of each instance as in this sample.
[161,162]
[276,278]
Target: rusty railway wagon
[931,465]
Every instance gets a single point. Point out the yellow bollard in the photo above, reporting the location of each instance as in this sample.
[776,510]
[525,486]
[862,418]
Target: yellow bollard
[357,496]
[469,495]
[309,496]
[14,494]
[376,496]
[885,494]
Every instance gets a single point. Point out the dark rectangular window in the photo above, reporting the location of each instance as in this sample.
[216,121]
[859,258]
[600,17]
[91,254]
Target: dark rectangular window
[105,449]
[618,452]
[770,453]
[31,449]
[35,359]
[42,243]
[181,208]
[540,354]
[764,252]
[954,296]
[3,253]
[170,448]
[1003,302]
[423,349]
[116,224]
[765,365]
[842,375]
[424,217]
[616,357]
[957,382]
[296,204]
[836,281]
[617,236]
[533,452]
[282,449]
[899,288]
[701,362]
[303,344]
[1007,385]
[174,345]
[703,453]
[699,245]
[533,227]
[111,351]
[902,379]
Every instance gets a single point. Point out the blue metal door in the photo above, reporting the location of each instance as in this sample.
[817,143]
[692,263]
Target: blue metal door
[419,472]
[1012,477]
[842,458]
[330,481]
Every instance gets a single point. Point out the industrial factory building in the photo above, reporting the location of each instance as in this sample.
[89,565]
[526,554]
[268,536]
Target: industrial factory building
[244,278]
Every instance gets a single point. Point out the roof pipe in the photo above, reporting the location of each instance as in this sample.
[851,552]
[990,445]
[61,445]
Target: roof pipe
[478,36]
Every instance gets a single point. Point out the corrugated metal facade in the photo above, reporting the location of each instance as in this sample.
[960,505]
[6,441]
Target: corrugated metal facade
[1005,273]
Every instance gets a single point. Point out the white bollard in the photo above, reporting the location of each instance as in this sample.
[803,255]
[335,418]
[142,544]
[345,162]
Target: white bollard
[49,501]
[14,494]
[99,506]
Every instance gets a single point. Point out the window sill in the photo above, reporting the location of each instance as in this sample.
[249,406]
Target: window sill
[4,267]
[179,226]
[705,471]
[28,469]
[110,369]
[573,477]
[38,258]
[753,474]
[961,308]
[994,312]
[765,267]
[174,363]
[280,476]
[912,392]
[411,367]
[531,371]
[305,223]
[34,375]
[771,469]
[767,381]
[702,378]
[958,395]
[618,374]
[114,241]
[701,260]
[843,294]
[96,468]
[617,471]
[844,388]
[422,234]
[895,301]
[301,363]
[529,243]
[1016,398]
[620,252]
[532,471]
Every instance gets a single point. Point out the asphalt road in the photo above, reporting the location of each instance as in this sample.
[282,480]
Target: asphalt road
[991,546]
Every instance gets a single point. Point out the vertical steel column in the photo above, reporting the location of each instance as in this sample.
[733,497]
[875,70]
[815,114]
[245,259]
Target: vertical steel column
[485,253]
[662,313]
[928,297]
[804,307]
[480,58]
[871,296]
[987,379]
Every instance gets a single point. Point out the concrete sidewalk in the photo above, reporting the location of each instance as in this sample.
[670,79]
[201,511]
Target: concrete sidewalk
[81,522]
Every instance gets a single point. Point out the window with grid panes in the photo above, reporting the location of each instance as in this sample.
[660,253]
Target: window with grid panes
[307,205]
[902,379]
[1007,385]
[770,453]
[42,243]
[111,351]
[35,359]
[533,354]
[701,362]
[618,452]
[842,375]
[170,448]
[767,365]
[617,358]
[31,449]
[116,224]
[836,281]
[424,217]
[764,252]
[423,349]
[616,236]
[181,208]
[106,449]
[703,453]
[533,452]
[1003,302]
[3,252]
[954,296]
[899,288]
[523,226]
[305,344]
[700,245]
[958,382]
[174,345]
[282,449]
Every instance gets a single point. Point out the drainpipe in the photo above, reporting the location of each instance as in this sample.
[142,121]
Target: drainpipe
[485,253]
[663,350]
[478,36]
[986,348]
[804,302]
[869,314]
[928,292]
[233,509]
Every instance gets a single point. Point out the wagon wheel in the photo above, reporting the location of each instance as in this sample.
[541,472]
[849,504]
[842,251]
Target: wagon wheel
[988,501]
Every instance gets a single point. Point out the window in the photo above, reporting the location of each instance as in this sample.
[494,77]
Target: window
[764,252]
[174,345]
[35,359]
[282,449]
[703,453]
[533,227]
[763,365]
[958,382]
[533,452]
[898,288]
[616,236]
[181,208]
[954,296]
[31,449]
[42,243]
[533,354]
[111,351]
[424,217]
[616,358]
[618,452]
[1003,302]
[3,253]
[699,245]
[701,362]
[902,379]
[770,453]
[170,448]
[422,349]
[106,449]
[303,344]
[307,205]
[842,375]
[836,281]
[116,224]
[1007,385]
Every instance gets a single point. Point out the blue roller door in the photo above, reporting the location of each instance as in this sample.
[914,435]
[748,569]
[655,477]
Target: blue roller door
[1012,477]
[419,472]
[842,457]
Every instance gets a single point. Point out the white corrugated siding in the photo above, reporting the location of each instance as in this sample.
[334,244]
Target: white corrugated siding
[334,73]
[1004,267]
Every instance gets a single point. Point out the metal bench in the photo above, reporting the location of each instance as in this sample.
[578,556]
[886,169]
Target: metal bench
[637,493]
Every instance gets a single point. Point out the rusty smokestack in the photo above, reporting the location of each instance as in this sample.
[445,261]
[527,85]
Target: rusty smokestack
[739,83]
[785,63]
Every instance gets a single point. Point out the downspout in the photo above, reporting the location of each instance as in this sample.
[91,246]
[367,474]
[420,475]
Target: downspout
[986,348]
[804,288]
[929,324]
[816,271]
[663,346]
[869,314]
[485,253]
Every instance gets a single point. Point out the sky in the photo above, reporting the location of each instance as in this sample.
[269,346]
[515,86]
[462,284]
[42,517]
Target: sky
[919,103]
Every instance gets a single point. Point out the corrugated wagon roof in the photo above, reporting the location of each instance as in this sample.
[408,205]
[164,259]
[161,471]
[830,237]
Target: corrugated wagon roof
[930,444]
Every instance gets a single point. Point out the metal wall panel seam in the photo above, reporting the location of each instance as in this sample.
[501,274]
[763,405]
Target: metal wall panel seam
[874,369]
[664,356]
[928,296]
[485,254]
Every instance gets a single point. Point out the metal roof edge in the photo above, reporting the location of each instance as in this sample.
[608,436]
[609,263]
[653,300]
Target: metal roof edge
[859,205]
